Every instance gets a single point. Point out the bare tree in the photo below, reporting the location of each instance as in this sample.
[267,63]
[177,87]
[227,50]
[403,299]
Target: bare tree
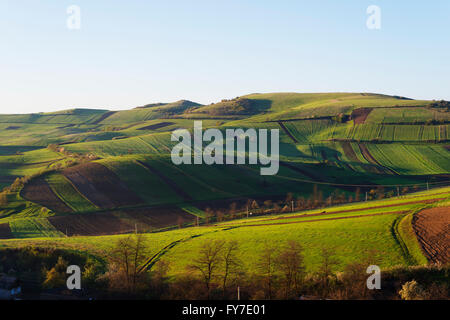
[208,261]
[326,268]
[3,199]
[126,257]
[208,215]
[230,262]
[266,265]
[290,264]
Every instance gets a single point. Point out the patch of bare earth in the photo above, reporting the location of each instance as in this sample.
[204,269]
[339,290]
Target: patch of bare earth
[5,231]
[38,191]
[101,186]
[120,221]
[360,115]
[157,126]
[432,228]
[349,152]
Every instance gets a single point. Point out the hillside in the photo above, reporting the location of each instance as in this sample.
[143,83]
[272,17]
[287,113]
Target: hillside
[87,167]
[363,179]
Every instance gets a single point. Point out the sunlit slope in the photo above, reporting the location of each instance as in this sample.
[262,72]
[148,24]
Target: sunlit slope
[336,141]
[355,232]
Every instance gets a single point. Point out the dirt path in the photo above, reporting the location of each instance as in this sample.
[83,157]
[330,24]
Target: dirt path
[368,156]
[432,228]
[317,220]
[324,213]
[167,180]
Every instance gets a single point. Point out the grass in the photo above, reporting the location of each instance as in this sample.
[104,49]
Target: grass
[351,239]
[33,228]
[64,189]
[146,185]
[395,134]
[409,239]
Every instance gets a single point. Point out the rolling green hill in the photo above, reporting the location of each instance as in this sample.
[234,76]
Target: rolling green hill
[99,172]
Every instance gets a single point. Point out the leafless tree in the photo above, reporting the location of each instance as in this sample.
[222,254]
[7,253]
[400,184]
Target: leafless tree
[208,261]
[290,264]
[231,262]
[326,267]
[126,258]
[266,265]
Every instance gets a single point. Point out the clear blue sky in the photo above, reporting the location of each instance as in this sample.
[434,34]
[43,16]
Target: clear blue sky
[129,53]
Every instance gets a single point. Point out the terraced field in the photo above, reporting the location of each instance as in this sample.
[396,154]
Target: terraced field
[351,230]
[86,177]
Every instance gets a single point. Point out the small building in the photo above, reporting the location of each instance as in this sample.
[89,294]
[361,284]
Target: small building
[9,287]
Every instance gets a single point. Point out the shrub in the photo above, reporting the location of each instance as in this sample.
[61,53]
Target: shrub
[412,290]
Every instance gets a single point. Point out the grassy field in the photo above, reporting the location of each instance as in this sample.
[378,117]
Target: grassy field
[379,228]
[331,145]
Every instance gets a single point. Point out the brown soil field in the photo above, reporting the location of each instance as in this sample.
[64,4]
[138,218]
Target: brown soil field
[104,116]
[349,152]
[160,217]
[120,221]
[101,186]
[90,224]
[432,228]
[156,126]
[5,231]
[38,191]
[360,115]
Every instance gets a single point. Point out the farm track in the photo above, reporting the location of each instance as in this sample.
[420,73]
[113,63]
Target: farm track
[5,231]
[432,228]
[354,210]
[39,191]
[287,131]
[368,156]
[318,220]
[167,180]
[153,259]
